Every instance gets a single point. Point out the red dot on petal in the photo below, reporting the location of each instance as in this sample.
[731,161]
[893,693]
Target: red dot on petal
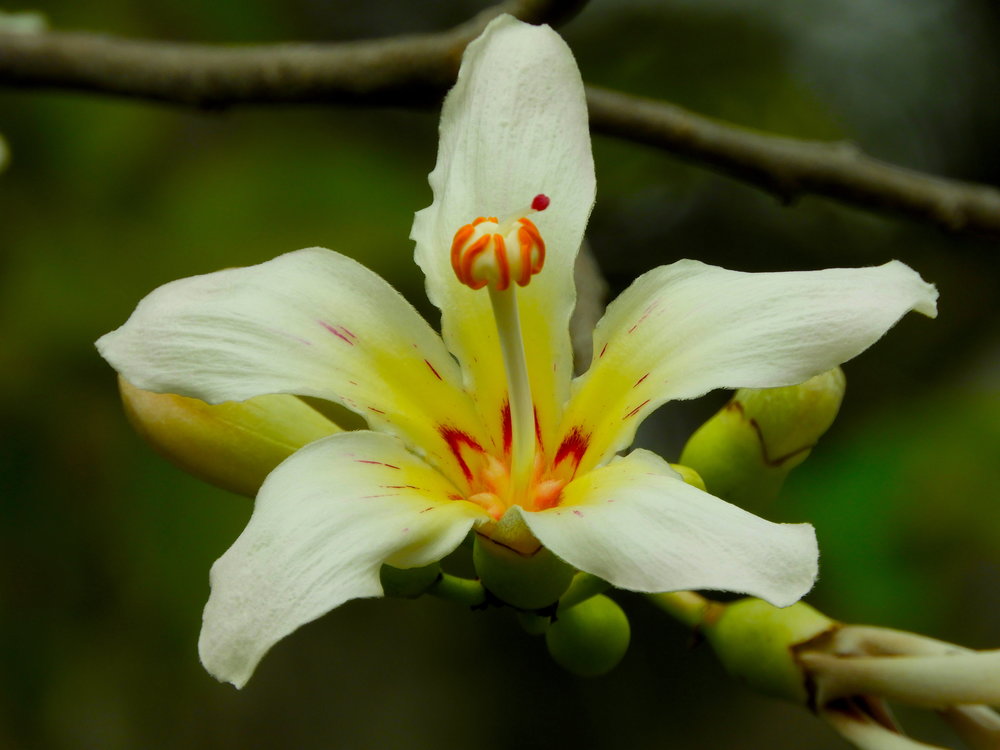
[540,202]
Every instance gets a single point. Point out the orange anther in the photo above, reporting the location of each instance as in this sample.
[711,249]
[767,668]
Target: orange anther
[461,237]
[468,257]
[474,264]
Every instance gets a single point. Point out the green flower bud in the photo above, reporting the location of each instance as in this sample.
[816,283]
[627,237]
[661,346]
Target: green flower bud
[233,445]
[516,568]
[745,452]
[755,641]
[689,475]
[409,583]
[590,638]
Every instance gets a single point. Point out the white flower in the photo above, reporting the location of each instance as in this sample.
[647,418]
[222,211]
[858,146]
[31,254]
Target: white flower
[484,428]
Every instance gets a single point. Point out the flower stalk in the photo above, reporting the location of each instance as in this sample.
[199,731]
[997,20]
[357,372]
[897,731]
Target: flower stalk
[847,674]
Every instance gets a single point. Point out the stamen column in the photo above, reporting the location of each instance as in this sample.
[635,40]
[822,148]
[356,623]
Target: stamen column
[503,255]
[522,411]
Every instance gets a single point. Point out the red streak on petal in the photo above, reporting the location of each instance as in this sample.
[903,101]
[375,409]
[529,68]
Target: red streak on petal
[633,328]
[455,439]
[603,349]
[376,463]
[508,430]
[538,429]
[398,487]
[573,446]
[578,513]
[635,410]
[641,379]
[431,507]
[377,411]
[436,373]
[339,331]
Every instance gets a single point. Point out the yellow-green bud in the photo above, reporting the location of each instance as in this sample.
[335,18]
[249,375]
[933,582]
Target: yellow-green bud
[516,568]
[745,452]
[233,445]
[689,475]
[590,638]
[409,583]
[755,641]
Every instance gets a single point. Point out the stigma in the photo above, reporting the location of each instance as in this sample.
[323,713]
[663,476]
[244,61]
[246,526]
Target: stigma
[495,253]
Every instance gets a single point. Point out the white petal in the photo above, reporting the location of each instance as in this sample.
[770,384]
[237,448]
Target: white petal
[637,525]
[978,726]
[867,734]
[682,330]
[515,125]
[932,681]
[322,526]
[311,323]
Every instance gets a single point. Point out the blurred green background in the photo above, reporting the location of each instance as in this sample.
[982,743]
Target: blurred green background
[105,548]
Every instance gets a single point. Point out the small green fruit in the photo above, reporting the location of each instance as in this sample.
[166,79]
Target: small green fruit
[409,583]
[590,638]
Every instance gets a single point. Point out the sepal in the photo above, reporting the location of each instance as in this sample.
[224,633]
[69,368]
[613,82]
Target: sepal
[514,566]
[233,445]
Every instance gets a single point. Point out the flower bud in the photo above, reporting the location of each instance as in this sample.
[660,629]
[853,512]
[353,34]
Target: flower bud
[745,452]
[756,641]
[590,638]
[690,476]
[233,445]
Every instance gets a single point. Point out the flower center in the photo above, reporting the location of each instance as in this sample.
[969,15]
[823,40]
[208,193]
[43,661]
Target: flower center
[482,254]
[491,252]
[492,487]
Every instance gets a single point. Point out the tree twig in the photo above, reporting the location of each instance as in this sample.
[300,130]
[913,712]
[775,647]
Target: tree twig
[406,70]
[790,167]
[416,71]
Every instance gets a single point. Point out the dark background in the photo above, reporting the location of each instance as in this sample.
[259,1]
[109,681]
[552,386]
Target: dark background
[105,548]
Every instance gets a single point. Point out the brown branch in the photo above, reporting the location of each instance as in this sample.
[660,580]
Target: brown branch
[418,69]
[405,70]
[789,167]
